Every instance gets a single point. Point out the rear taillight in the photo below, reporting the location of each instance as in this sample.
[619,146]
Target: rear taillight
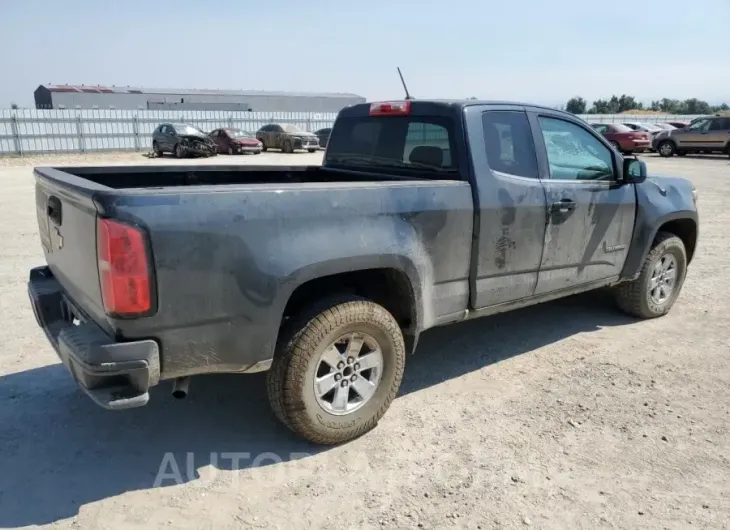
[124,272]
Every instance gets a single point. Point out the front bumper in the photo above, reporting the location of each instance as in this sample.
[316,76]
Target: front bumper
[249,149]
[306,144]
[116,375]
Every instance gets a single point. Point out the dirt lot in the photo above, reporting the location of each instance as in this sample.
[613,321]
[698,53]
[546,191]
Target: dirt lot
[565,415]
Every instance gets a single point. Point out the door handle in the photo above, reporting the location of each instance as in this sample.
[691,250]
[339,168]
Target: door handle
[563,206]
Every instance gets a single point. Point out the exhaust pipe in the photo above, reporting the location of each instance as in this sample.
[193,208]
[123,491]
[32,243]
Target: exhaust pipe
[180,387]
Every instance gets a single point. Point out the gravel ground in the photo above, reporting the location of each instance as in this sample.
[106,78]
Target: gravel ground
[565,415]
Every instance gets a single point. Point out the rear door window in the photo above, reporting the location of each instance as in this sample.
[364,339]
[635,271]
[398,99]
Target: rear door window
[402,143]
[509,144]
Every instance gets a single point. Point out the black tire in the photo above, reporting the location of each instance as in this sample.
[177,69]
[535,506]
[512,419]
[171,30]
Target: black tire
[290,381]
[666,148]
[286,147]
[681,153]
[311,150]
[257,152]
[634,298]
[156,150]
[263,145]
[230,150]
[179,151]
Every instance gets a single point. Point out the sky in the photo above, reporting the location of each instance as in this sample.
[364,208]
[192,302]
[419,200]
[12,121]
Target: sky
[537,51]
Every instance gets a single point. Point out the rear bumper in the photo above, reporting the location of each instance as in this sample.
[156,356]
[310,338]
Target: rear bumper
[116,375]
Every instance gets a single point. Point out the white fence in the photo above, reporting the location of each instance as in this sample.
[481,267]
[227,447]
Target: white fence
[31,131]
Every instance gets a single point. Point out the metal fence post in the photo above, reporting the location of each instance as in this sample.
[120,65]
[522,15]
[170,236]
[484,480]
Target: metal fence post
[135,131]
[16,134]
[230,121]
[80,133]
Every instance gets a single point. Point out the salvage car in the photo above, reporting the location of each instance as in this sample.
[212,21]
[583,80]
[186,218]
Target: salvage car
[181,140]
[235,141]
[323,135]
[287,137]
[624,139]
[423,213]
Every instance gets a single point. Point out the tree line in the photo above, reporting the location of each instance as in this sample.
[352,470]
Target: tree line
[623,103]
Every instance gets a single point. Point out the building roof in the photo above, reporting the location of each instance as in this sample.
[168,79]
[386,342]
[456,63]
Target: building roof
[103,89]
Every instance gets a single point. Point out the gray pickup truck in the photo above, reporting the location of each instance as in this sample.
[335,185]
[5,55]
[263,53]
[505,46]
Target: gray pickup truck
[424,213]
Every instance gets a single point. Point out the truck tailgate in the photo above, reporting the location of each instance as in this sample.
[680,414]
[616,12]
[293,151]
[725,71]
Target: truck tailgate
[67,225]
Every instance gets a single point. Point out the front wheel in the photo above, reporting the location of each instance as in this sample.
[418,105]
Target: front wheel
[656,289]
[156,150]
[179,151]
[666,149]
[287,147]
[311,150]
[336,370]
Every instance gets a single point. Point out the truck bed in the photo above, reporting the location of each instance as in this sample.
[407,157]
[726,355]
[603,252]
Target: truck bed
[135,177]
[229,245]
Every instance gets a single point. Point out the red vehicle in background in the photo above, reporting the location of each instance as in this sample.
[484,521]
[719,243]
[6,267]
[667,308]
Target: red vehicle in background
[235,141]
[624,139]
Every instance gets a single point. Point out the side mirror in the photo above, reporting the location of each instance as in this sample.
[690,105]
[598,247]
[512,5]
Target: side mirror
[634,171]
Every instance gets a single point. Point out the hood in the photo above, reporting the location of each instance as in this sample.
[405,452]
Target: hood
[679,191]
[246,140]
[201,136]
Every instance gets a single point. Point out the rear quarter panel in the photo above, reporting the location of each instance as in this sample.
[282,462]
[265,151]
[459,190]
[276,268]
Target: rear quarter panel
[228,258]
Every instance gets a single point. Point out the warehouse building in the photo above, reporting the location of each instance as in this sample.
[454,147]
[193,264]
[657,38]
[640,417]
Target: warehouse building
[137,98]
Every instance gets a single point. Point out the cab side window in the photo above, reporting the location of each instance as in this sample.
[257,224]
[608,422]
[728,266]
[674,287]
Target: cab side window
[574,153]
[509,144]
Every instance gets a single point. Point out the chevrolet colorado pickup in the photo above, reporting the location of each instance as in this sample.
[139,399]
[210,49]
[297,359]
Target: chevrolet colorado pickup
[423,213]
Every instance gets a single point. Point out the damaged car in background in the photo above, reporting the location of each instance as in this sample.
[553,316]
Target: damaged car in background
[182,140]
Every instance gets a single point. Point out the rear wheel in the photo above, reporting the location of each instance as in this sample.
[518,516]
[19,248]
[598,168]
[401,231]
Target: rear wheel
[263,145]
[667,148]
[336,370]
[661,278]
[311,150]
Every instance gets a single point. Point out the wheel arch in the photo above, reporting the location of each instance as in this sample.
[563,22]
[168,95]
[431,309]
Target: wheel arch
[683,224]
[390,281]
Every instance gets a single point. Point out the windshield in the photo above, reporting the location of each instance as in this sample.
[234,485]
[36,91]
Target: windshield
[649,126]
[396,143]
[188,129]
[665,126]
[238,133]
[288,127]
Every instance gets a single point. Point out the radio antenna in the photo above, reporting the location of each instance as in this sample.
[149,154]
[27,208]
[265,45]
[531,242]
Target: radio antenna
[408,96]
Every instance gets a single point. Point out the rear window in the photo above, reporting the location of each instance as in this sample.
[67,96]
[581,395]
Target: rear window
[621,128]
[407,143]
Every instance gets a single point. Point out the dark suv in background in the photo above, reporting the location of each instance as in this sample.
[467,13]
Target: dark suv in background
[181,140]
[710,135]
